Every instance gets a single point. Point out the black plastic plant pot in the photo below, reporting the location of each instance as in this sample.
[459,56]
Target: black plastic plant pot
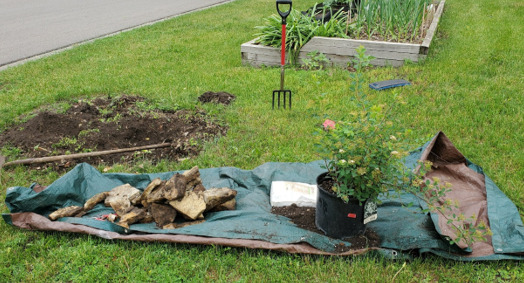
[336,218]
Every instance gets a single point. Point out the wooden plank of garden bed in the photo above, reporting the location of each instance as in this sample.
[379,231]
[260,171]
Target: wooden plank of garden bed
[346,47]
[258,55]
[262,55]
[262,52]
[259,63]
[352,44]
[342,61]
[263,58]
[251,46]
[259,60]
[424,47]
[379,54]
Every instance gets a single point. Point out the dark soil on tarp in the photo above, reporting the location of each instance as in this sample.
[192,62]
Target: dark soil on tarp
[112,123]
[304,217]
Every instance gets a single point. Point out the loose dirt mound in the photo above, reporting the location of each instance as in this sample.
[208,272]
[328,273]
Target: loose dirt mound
[104,124]
[217,97]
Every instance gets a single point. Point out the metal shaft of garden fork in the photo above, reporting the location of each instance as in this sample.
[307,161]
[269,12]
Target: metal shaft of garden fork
[282,77]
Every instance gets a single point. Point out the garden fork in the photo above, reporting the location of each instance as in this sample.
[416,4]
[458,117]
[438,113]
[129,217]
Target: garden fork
[284,92]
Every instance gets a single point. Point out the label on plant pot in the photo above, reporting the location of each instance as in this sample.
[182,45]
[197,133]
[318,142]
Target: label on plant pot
[352,215]
[285,193]
[370,211]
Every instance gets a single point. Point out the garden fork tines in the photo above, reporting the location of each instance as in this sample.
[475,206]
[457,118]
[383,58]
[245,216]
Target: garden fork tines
[284,92]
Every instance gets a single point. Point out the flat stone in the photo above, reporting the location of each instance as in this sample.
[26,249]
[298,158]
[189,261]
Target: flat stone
[150,188]
[66,212]
[121,206]
[175,187]
[133,216]
[94,200]
[191,206]
[216,196]
[163,214]
[126,191]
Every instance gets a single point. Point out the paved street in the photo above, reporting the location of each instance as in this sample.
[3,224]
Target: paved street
[34,27]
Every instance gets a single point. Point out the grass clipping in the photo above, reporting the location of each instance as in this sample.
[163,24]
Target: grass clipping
[160,202]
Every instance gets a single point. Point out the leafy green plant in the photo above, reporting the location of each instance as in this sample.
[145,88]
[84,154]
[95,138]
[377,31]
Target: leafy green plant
[300,29]
[315,60]
[359,155]
[360,152]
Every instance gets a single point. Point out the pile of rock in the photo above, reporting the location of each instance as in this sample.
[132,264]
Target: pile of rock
[160,202]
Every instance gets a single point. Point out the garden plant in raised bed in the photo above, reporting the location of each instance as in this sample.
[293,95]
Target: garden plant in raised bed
[301,27]
[363,157]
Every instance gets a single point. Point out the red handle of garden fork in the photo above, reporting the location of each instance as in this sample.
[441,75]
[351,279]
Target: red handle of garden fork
[283,14]
[283,49]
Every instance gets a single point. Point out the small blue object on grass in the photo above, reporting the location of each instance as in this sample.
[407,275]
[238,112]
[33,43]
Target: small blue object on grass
[388,84]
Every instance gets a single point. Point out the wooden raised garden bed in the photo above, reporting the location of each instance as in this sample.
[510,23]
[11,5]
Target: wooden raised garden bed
[340,50]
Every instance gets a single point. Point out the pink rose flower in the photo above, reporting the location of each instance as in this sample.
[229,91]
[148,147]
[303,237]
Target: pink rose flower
[328,124]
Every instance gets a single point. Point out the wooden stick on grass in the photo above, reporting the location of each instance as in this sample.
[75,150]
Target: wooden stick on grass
[81,155]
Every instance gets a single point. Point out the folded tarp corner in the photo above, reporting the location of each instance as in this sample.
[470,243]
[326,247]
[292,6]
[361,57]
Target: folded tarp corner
[400,228]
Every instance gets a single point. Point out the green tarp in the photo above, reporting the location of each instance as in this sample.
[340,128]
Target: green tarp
[401,229]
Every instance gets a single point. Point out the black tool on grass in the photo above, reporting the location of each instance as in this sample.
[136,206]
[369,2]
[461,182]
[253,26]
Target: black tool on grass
[284,92]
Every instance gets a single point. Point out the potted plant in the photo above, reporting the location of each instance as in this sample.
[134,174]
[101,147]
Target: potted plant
[362,161]
[363,158]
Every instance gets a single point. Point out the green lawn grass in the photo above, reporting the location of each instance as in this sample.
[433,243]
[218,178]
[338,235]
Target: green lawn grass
[470,87]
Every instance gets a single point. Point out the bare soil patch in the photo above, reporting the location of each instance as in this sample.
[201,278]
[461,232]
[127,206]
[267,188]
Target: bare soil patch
[112,123]
[304,217]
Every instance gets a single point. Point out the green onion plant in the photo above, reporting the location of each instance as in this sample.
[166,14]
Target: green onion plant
[391,20]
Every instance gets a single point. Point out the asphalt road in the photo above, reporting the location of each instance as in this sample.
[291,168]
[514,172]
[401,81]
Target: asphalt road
[30,28]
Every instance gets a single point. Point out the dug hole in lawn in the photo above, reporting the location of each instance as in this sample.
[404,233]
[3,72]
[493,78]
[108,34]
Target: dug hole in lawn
[401,230]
